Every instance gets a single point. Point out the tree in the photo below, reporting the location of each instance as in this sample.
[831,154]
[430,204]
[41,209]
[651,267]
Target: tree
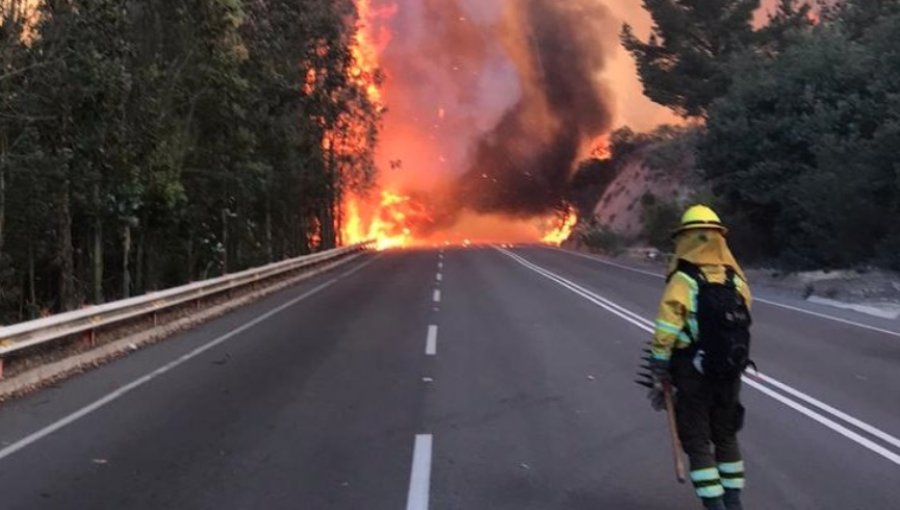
[799,151]
[147,144]
[790,18]
[685,63]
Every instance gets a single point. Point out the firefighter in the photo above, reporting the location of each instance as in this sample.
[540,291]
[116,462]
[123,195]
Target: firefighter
[701,346]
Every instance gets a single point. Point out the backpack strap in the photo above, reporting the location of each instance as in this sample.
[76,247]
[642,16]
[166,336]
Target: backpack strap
[731,277]
[692,270]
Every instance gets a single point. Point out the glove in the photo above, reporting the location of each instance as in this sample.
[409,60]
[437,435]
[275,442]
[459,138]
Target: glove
[662,376]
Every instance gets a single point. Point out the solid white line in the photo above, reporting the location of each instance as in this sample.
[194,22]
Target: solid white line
[607,262]
[420,474]
[124,390]
[884,436]
[647,326]
[600,301]
[431,341]
[437,296]
[840,429]
[757,299]
[439,277]
[880,434]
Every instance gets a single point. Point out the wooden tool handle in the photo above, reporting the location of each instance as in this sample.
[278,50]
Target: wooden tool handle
[680,471]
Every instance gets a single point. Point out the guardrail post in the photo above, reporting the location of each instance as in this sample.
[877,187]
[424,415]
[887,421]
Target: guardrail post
[89,337]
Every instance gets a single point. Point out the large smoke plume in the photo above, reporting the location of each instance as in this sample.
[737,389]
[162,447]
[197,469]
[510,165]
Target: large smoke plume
[491,103]
[522,165]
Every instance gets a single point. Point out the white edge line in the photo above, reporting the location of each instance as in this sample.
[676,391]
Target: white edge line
[840,429]
[759,299]
[420,474]
[124,390]
[431,340]
[853,436]
[884,436]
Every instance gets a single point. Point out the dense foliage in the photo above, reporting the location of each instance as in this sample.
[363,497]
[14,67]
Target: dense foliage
[802,151]
[799,144]
[686,62]
[148,143]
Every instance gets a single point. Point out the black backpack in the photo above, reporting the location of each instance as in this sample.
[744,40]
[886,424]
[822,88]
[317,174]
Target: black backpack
[723,320]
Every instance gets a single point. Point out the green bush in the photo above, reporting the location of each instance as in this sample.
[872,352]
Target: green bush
[602,239]
[801,152]
[660,219]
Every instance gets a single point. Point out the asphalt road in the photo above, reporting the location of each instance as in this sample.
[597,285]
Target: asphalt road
[466,379]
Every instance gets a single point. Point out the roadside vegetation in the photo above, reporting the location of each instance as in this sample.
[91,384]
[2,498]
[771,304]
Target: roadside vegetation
[144,144]
[798,125]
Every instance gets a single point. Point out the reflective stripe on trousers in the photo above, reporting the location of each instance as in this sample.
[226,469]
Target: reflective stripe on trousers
[732,475]
[707,483]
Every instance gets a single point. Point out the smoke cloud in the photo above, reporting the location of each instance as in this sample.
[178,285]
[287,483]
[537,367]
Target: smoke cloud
[522,165]
[490,104]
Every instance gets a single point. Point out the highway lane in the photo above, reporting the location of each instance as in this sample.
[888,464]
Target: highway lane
[519,390]
[593,444]
[857,369]
[313,408]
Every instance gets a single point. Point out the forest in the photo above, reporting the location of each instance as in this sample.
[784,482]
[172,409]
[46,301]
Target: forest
[796,124]
[145,144]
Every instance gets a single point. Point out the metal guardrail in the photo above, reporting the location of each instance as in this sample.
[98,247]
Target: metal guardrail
[24,335]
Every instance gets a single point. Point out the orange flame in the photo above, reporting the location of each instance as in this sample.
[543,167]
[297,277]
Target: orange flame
[367,45]
[563,230]
[395,220]
[390,225]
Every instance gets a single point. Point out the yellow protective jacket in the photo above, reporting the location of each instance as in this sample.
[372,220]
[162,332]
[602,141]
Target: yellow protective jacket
[676,322]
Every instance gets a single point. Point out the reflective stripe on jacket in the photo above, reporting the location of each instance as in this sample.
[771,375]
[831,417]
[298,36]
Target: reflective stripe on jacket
[676,322]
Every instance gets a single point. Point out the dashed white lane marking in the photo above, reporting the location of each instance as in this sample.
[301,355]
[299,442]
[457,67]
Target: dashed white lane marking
[440,265]
[431,340]
[753,381]
[420,475]
[137,383]
[437,296]
[757,299]
[439,277]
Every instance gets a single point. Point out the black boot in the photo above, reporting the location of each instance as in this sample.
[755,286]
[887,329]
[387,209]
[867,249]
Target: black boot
[733,499]
[714,504]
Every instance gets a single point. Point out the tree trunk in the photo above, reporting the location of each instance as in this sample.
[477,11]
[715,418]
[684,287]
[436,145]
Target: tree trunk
[190,256]
[326,226]
[97,249]
[32,292]
[139,263]
[2,199]
[65,256]
[269,249]
[224,241]
[126,258]
[4,142]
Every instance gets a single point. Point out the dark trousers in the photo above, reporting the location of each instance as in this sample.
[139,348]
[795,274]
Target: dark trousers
[709,416]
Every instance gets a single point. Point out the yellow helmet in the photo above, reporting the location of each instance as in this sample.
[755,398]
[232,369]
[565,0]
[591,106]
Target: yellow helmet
[700,216]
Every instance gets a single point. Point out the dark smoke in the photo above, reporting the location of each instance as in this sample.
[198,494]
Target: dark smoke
[522,166]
